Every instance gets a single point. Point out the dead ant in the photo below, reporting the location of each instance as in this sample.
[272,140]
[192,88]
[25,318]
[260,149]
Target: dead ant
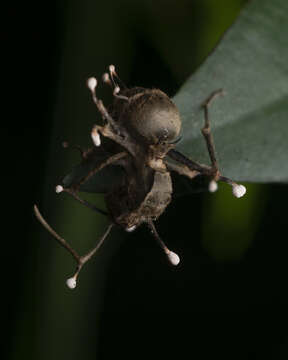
[139,135]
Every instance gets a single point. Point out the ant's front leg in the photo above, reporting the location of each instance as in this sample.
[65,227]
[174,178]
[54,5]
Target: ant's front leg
[111,129]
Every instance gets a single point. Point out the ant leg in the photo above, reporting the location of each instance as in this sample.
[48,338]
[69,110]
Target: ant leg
[112,129]
[81,260]
[111,160]
[70,190]
[53,233]
[238,190]
[172,257]
[181,169]
[85,202]
[92,84]
[73,189]
[192,165]
[72,282]
[206,132]
[121,137]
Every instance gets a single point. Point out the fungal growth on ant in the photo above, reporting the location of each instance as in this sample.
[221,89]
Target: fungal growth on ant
[139,135]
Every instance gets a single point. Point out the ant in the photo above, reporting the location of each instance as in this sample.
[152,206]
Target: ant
[139,135]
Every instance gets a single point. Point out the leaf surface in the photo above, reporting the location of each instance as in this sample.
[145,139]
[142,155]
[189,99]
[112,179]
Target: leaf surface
[249,123]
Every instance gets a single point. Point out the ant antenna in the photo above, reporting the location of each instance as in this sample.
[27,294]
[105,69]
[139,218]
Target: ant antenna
[81,260]
[172,257]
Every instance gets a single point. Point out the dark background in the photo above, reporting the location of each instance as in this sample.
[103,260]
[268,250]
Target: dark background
[227,298]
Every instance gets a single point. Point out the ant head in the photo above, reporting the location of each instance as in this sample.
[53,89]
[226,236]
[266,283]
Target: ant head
[148,114]
[151,116]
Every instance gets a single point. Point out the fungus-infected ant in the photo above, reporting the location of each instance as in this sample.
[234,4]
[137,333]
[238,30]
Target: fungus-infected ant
[139,135]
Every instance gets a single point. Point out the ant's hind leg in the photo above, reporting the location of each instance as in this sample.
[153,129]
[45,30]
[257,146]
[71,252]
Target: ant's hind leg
[80,260]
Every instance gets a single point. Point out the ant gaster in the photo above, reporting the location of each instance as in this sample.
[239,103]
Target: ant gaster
[139,134]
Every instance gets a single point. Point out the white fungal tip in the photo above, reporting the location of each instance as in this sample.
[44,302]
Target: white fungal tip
[238,190]
[59,189]
[112,68]
[131,228]
[92,83]
[71,283]
[173,258]
[96,137]
[213,186]
[116,90]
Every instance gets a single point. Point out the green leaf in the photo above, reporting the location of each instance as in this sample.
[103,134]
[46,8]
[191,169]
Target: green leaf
[250,123]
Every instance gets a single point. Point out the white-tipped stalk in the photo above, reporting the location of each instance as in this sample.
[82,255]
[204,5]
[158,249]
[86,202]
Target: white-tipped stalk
[238,190]
[71,282]
[116,90]
[112,69]
[173,258]
[59,189]
[95,137]
[131,228]
[213,186]
[92,83]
